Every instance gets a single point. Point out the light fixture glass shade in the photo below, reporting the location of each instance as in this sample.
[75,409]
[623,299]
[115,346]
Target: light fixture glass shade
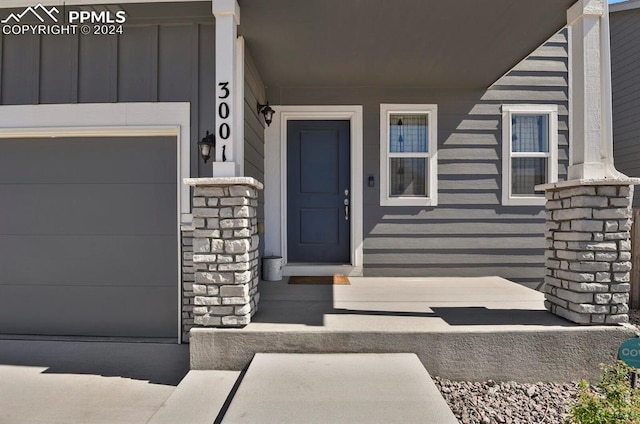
[206,144]
[267,111]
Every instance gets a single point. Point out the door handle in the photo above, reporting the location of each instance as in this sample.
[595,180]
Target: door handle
[346,209]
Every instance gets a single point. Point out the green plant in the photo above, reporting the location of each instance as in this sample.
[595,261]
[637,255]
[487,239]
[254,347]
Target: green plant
[616,402]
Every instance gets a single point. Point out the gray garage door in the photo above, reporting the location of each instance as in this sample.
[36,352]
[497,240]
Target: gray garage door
[88,237]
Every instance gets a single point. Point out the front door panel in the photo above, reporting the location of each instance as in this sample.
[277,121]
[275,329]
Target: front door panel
[318,186]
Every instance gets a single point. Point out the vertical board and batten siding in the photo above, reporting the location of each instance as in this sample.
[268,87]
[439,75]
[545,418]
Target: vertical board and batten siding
[625,75]
[469,233]
[254,131]
[166,62]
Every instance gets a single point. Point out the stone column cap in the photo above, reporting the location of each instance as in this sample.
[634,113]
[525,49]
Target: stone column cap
[589,182]
[226,181]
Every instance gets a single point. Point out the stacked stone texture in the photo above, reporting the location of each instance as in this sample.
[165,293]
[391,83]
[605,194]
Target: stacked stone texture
[225,244]
[589,253]
[188,277]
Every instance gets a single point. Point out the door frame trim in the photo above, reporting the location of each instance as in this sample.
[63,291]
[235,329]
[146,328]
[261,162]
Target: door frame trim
[113,120]
[276,186]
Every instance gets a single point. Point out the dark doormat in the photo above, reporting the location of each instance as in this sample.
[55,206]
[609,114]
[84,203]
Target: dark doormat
[341,280]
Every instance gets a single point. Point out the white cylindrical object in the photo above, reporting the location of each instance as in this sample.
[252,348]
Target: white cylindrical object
[272,268]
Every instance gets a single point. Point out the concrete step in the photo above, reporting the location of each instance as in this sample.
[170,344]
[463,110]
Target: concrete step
[527,354]
[461,329]
[198,398]
[337,388]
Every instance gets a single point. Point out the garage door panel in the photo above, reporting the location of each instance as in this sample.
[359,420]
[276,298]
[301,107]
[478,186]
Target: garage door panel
[88,209]
[88,311]
[88,160]
[89,236]
[89,260]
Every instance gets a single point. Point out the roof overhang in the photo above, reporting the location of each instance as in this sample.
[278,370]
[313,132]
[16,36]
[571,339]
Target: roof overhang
[408,43]
[625,5]
[388,43]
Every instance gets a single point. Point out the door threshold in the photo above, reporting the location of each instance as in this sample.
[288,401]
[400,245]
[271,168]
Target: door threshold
[310,269]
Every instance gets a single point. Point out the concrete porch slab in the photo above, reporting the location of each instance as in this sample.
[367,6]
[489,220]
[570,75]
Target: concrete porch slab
[460,329]
[337,388]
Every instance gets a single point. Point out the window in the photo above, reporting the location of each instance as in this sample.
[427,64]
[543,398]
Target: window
[408,160]
[530,152]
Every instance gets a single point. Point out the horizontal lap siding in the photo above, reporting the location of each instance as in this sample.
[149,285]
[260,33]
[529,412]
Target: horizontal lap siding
[469,233]
[155,62]
[254,131]
[625,73]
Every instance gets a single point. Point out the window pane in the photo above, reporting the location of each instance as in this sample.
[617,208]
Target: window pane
[408,177]
[526,173]
[529,133]
[408,132]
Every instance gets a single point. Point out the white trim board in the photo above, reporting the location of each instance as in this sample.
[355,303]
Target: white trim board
[239,107]
[24,3]
[115,120]
[276,177]
[106,119]
[625,5]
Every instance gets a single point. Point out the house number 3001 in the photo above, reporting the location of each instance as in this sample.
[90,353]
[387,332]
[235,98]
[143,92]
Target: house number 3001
[224,131]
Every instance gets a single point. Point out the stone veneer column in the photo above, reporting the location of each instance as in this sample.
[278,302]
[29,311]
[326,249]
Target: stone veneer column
[225,250]
[589,250]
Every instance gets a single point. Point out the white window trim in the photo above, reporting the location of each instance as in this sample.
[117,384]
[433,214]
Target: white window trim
[552,169]
[387,109]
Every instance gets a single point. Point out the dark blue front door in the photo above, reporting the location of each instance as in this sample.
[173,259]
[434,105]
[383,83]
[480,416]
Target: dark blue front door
[318,191]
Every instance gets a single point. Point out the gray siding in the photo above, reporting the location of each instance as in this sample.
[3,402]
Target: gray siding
[625,73]
[163,60]
[150,62]
[469,233]
[254,131]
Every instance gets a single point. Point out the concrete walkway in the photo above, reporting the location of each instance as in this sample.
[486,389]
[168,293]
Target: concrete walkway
[337,388]
[87,382]
[72,382]
[199,398]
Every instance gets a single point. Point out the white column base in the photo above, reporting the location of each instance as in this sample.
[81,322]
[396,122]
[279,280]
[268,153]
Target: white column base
[590,170]
[225,169]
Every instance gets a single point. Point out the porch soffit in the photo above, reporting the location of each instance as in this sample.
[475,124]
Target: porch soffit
[394,43]
[388,43]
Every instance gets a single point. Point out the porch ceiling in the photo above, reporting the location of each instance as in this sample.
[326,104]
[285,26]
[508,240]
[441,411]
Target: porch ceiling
[408,43]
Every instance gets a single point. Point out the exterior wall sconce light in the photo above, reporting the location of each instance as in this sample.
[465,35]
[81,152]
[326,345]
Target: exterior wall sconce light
[207,143]
[267,112]
[400,137]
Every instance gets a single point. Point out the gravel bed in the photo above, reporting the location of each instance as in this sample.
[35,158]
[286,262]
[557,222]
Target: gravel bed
[492,402]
